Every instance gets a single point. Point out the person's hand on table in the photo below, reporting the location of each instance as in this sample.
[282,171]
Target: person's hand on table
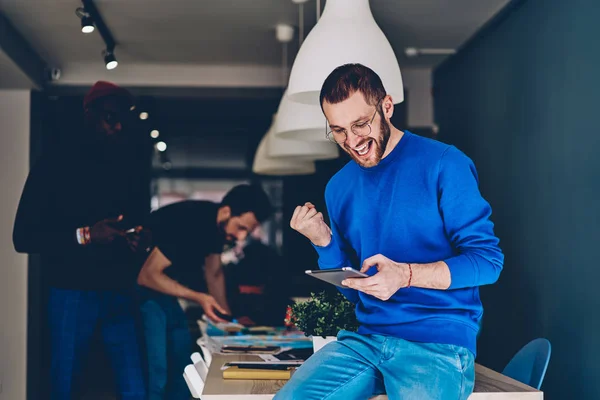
[210,305]
[391,276]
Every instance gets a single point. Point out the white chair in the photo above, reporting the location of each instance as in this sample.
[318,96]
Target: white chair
[202,369]
[206,353]
[196,357]
[200,365]
[193,380]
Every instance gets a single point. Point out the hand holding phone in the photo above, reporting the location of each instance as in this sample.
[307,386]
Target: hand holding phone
[211,308]
[221,315]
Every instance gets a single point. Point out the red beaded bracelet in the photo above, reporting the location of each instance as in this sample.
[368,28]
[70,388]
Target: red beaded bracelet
[410,275]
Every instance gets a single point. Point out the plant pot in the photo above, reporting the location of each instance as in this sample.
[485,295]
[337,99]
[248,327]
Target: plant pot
[319,341]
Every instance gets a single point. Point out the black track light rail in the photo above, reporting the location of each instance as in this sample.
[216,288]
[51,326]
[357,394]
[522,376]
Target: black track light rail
[91,9]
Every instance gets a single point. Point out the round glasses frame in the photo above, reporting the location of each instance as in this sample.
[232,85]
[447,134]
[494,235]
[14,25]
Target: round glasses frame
[361,129]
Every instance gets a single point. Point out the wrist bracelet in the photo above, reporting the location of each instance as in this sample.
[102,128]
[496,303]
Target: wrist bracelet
[410,275]
[83,236]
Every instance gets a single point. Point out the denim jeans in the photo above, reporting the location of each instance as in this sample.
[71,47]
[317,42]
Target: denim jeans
[360,366]
[74,315]
[168,343]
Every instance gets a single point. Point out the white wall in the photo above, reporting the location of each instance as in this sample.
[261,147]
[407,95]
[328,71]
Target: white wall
[14,166]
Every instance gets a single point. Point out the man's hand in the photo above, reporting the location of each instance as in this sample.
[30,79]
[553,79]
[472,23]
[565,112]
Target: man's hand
[309,222]
[107,231]
[140,238]
[390,277]
[209,305]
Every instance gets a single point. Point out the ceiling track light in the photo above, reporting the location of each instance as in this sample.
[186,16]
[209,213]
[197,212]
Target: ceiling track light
[110,60]
[90,17]
[87,23]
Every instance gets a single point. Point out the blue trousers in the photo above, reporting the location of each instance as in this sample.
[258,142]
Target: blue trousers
[168,343]
[74,316]
[361,366]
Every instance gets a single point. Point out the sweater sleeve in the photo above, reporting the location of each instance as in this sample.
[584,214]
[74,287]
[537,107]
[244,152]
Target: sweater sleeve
[466,214]
[335,254]
[37,228]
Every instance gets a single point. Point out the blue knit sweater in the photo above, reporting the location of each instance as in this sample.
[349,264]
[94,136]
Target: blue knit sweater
[420,204]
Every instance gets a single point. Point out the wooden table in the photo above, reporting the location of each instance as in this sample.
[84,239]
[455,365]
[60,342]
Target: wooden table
[489,385]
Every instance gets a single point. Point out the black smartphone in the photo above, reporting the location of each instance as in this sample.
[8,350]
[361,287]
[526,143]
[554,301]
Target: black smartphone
[226,317]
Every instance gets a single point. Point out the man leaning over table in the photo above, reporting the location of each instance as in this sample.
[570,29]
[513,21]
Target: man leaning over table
[414,220]
[187,236]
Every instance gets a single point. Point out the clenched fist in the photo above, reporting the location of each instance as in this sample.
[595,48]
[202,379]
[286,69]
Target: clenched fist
[309,222]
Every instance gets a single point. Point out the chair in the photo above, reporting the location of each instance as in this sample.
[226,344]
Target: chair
[193,380]
[206,354]
[196,357]
[200,365]
[529,365]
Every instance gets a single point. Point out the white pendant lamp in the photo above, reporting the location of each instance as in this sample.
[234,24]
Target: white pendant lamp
[296,120]
[278,147]
[346,33]
[265,165]
[301,122]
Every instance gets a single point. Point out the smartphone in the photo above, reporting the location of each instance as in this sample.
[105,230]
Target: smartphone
[226,317]
[335,276]
[250,349]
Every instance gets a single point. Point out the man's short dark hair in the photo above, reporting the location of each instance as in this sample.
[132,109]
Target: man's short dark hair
[248,198]
[347,79]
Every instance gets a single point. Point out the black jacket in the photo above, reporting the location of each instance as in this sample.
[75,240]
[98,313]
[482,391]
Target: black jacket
[66,192]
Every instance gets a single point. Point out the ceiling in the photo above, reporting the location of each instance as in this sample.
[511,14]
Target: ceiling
[226,32]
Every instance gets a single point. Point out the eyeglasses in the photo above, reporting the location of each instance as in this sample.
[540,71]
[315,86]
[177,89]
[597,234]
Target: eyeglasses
[359,129]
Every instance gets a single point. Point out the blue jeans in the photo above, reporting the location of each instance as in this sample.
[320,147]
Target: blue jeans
[361,366]
[74,316]
[168,343]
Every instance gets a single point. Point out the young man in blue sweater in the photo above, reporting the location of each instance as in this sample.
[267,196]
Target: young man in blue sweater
[408,212]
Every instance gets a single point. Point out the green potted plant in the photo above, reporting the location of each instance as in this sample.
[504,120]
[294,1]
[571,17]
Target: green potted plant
[323,316]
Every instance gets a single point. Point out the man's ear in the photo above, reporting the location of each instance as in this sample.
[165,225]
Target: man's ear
[224,213]
[388,107]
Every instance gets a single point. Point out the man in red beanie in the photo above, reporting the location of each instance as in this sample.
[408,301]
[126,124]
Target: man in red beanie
[82,210]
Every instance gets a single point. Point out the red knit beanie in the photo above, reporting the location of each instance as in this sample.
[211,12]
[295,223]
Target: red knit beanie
[103,89]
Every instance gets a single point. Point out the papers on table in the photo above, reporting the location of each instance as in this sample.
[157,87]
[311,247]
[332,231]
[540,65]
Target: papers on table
[221,328]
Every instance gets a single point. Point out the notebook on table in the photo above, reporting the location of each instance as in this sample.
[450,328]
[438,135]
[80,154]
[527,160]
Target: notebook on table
[259,371]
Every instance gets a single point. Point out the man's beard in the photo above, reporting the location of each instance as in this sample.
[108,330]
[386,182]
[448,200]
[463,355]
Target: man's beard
[228,242]
[380,144]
